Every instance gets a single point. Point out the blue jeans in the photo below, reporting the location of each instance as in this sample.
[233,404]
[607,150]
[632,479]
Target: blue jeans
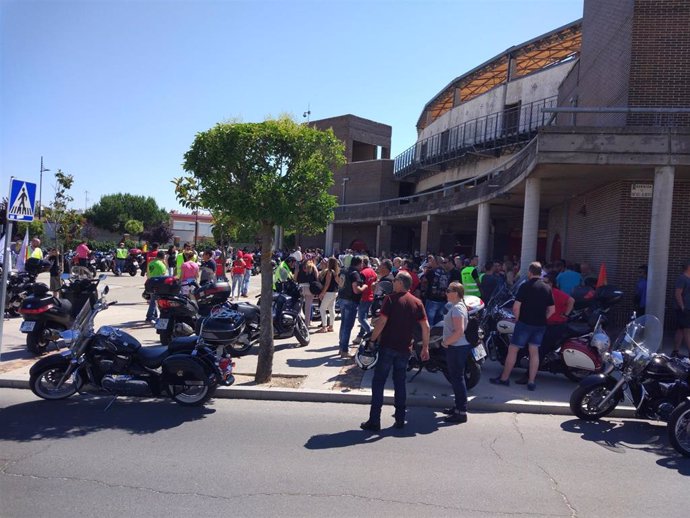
[434,311]
[119,265]
[389,359]
[348,315]
[362,315]
[153,309]
[456,358]
[245,284]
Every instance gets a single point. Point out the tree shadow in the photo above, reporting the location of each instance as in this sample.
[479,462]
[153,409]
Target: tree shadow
[420,421]
[620,436]
[328,361]
[134,324]
[36,420]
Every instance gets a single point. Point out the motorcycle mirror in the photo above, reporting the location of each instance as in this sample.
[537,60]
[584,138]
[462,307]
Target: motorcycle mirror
[102,277]
[106,290]
[65,276]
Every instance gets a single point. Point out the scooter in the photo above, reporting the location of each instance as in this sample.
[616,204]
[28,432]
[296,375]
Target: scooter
[45,316]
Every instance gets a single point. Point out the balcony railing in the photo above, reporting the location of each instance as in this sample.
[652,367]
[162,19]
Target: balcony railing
[491,132]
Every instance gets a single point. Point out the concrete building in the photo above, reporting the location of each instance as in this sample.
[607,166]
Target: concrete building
[575,144]
[186,226]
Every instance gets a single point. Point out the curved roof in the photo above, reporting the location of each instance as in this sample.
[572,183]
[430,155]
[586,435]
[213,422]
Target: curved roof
[549,49]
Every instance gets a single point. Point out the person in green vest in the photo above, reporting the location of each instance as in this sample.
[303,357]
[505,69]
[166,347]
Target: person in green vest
[120,256]
[470,277]
[180,258]
[284,271]
[155,268]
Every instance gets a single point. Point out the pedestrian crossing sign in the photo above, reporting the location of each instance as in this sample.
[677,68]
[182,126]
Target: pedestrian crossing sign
[22,201]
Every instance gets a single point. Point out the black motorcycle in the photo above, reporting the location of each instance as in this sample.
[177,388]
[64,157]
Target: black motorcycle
[103,261]
[288,319]
[679,428]
[134,261]
[45,316]
[19,286]
[437,353]
[112,362]
[654,383]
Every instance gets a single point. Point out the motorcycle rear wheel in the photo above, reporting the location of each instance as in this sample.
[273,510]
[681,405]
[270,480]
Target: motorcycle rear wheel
[240,348]
[584,402]
[679,429]
[43,383]
[36,342]
[196,395]
[302,332]
[473,372]
[132,270]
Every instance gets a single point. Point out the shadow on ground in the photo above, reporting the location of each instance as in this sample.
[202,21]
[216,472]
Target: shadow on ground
[621,435]
[82,415]
[420,421]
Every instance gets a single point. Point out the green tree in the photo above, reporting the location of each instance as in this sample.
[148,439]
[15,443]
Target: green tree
[114,210]
[134,226]
[65,223]
[35,229]
[276,172]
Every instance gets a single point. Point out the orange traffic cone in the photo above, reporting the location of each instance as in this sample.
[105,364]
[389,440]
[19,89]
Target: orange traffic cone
[602,280]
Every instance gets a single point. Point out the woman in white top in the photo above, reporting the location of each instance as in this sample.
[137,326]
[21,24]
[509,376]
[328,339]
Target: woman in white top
[454,324]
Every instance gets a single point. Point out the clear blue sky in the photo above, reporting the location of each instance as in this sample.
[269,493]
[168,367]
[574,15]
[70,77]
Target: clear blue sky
[113,92]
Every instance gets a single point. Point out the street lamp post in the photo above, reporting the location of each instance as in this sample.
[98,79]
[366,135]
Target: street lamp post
[40,190]
[342,198]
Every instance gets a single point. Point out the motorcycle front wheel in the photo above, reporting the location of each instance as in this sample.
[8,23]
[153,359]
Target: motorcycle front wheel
[679,429]
[302,332]
[132,270]
[585,402]
[44,382]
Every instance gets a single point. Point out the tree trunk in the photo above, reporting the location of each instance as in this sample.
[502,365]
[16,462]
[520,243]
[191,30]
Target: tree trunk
[264,365]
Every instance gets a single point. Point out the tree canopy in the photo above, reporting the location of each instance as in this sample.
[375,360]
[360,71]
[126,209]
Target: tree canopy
[275,172]
[113,211]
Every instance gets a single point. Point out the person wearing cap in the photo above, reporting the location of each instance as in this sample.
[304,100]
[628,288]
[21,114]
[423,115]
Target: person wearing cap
[36,251]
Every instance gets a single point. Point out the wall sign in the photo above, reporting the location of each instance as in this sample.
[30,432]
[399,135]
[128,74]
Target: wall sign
[641,190]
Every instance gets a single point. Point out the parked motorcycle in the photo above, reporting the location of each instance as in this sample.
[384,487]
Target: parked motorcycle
[437,353]
[288,319]
[654,383]
[18,288]
[679,428]
[574,353]
[45,316]
[113,362]
[103,261]
[135,260]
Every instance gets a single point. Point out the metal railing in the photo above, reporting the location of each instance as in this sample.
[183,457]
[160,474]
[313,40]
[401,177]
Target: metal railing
[490,132]
[618,116]
[446,198]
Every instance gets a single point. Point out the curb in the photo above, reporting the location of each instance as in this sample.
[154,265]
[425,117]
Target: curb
[476,404]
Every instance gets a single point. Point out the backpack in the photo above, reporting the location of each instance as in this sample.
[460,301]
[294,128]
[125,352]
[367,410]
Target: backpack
[472,332]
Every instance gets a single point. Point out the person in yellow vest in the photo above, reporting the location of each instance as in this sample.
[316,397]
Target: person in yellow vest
[36,251]
[470,277]
[121,254]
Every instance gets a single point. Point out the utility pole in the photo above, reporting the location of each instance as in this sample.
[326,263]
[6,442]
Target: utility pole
[40,190]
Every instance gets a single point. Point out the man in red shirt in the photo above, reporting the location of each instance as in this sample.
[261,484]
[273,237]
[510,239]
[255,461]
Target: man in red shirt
[408,266]
[369,276]
[400,314]
[150,256]
[249,264]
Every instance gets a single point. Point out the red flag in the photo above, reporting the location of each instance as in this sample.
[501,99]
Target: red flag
[602,280]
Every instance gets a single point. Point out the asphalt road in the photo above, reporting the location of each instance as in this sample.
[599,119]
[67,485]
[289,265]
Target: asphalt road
[250,458]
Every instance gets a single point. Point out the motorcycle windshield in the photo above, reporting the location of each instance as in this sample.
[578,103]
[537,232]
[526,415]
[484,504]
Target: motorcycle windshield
[643,333]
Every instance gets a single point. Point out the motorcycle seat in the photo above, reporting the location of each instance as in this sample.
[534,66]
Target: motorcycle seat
[64,305]
[250,311]
[183,344]
[153,356]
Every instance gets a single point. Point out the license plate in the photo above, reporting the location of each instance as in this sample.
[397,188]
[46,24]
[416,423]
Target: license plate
[27,326]
[479,352]
[162,323]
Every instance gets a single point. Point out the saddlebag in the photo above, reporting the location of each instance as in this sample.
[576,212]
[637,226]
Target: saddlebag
[179,369]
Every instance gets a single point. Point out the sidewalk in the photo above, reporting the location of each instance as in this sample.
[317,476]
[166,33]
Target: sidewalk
[314,373]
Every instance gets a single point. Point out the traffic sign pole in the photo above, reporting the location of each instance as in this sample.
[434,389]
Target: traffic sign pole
[7,264]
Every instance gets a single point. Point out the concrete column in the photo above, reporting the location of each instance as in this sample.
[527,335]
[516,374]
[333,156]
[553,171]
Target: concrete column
[430,237]
[483,229]
[384,233]
[328,246]
[530,224]
[659,241]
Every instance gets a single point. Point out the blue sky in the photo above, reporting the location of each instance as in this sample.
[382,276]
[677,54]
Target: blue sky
[113,92]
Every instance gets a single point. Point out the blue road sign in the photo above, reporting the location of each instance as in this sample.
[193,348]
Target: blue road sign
[22,201]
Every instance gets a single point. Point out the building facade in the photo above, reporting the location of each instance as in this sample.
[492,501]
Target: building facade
[575,145]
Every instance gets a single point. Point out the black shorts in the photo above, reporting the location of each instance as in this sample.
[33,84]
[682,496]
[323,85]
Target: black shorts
[683,319]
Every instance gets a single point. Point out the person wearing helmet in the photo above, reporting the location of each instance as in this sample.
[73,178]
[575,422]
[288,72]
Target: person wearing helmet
[400,313]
